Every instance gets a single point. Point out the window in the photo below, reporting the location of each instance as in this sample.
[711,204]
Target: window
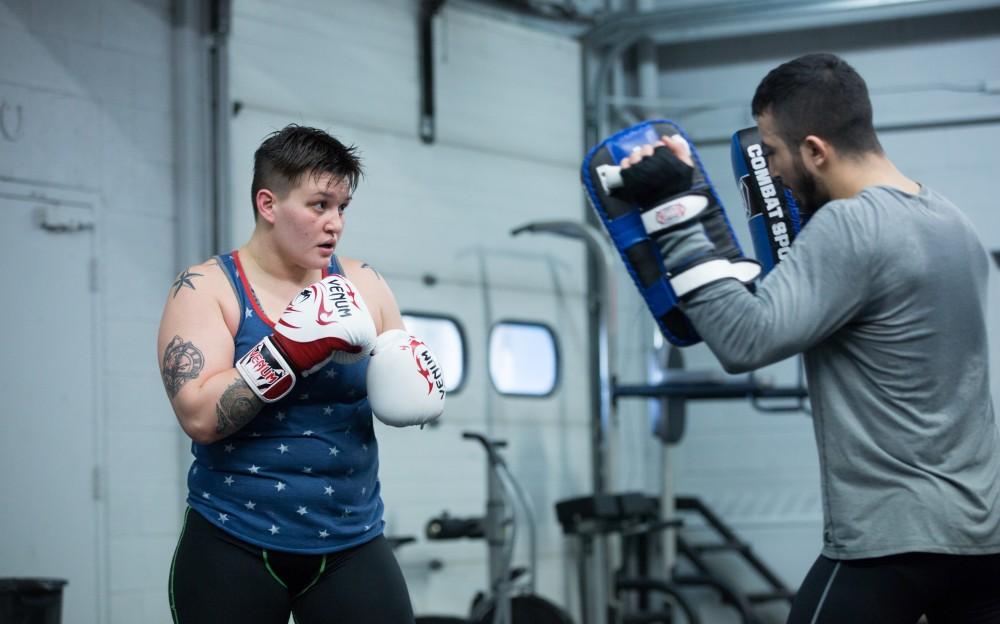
[444,336]
[523,358]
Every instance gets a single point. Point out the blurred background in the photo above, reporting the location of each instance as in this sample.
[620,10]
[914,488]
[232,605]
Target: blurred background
[127,129]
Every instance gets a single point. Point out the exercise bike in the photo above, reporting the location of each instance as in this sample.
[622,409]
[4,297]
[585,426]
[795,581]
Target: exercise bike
[510,597]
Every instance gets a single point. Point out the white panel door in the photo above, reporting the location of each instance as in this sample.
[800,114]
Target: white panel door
[48,435]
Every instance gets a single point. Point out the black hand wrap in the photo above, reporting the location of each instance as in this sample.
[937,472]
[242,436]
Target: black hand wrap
[687,224]
[655,179]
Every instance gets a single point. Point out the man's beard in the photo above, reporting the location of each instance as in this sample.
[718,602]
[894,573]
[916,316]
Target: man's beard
[805,189]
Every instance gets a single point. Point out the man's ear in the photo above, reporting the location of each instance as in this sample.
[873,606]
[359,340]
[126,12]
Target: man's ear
[816,151]
[265,201]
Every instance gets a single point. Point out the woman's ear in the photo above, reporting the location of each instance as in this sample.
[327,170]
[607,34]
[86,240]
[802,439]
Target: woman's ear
[265,201]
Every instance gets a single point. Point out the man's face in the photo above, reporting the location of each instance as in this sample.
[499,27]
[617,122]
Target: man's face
[787,164]
[309,220]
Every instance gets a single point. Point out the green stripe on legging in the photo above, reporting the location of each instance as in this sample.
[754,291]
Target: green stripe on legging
[322,566]
[274,575]
[173,563]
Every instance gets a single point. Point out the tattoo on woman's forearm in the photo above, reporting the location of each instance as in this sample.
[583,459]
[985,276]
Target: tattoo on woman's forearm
[182,362]
[236,407]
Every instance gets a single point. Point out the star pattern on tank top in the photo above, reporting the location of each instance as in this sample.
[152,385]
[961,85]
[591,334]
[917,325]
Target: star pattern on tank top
[304,488]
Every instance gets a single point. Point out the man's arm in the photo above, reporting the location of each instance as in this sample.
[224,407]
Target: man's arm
[820,286]
[195,351]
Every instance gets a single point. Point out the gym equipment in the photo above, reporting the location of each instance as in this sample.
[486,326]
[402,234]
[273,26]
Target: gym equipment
[634,518]
[773,215]
[677,387]
[627,227]
[510,598]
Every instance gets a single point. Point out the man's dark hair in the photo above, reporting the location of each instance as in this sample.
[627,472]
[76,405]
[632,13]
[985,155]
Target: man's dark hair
[819,94]
[288,154]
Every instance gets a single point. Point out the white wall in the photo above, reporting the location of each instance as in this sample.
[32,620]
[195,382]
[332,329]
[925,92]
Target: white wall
[92,81]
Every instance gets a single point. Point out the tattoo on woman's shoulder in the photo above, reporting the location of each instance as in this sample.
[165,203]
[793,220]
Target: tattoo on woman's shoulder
[184,280]
[182,362]
[368,266]
[236,407]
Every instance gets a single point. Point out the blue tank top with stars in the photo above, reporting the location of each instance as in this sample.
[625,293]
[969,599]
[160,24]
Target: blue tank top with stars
[302,476]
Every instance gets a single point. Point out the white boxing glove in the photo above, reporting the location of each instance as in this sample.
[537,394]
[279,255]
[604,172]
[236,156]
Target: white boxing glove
[327,319]
[405,382]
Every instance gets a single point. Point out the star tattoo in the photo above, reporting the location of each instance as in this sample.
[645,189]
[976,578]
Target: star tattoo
[184,279]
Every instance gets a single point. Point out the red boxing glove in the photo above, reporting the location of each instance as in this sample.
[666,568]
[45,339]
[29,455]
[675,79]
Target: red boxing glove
[328,319]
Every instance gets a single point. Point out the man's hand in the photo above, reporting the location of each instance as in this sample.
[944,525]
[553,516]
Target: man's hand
[677,145]
[686,223]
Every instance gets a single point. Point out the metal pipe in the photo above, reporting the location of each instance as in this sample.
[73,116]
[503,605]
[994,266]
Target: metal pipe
[726,19]
[602,305]
[425,28]
[612,36]
[603,301]
[718,391]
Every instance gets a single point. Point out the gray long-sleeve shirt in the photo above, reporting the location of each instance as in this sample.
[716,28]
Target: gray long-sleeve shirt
[885,293]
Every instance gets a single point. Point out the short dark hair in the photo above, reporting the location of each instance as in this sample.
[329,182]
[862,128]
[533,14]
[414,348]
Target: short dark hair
[288,154]
[819,94]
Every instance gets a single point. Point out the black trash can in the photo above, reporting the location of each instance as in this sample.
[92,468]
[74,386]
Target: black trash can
[31,600]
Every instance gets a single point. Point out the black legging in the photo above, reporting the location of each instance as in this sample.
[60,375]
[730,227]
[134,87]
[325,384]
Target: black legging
[949,589]
[218,579]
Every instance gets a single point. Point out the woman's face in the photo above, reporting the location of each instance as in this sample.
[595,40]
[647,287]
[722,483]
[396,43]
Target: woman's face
[309,220]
